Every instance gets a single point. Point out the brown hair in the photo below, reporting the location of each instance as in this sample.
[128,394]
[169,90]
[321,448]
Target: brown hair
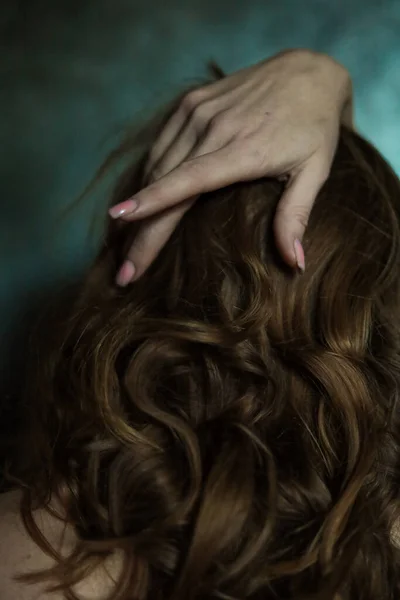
[230,426]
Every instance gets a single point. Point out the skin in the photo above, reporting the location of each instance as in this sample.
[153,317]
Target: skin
[285,112]
[19,554]
[278,118]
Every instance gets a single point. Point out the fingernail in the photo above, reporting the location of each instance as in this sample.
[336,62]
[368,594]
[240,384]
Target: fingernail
[123,208]
[299,253]
[125,274]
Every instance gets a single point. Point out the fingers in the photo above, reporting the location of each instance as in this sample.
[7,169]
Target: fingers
[186,146]
[182,146]
[208,172]
[293,212]
[156,231]
[168,135]
[196,176]
[196,130]
[150,239]
[182,128]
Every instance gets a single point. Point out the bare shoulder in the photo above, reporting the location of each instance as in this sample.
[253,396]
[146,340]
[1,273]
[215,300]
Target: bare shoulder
[20,554]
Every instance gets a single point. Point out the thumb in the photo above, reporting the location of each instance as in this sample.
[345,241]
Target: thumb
[293,212]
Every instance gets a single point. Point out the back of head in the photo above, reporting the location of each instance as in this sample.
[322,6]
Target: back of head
[231,426]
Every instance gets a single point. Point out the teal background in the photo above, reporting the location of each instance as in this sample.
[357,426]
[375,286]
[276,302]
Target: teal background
[74,73]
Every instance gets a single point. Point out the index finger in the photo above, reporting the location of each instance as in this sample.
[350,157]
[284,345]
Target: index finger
[199,175]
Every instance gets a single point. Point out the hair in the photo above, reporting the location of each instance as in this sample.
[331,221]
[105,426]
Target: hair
[228,425]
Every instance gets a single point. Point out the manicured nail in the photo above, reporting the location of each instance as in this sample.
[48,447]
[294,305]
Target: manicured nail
[125,274]
[299,253]
[123,208]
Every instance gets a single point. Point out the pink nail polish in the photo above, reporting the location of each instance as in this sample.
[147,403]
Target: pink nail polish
[125,274]
[299,253]
[123,208]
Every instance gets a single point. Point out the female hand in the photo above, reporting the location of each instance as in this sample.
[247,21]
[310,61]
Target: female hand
[278,118]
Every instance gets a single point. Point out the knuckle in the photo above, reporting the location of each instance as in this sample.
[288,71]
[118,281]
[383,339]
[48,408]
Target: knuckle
[192,99]
[221,124]
[302,217]
[201,114]
[299,214]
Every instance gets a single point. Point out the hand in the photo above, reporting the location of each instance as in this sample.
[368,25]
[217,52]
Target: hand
[279,118]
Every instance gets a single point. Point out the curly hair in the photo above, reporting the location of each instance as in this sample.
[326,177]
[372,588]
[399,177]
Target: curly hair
[229,426]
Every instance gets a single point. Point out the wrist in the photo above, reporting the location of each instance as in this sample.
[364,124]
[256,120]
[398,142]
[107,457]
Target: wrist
[338,81]
[330,80]
[344,87]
